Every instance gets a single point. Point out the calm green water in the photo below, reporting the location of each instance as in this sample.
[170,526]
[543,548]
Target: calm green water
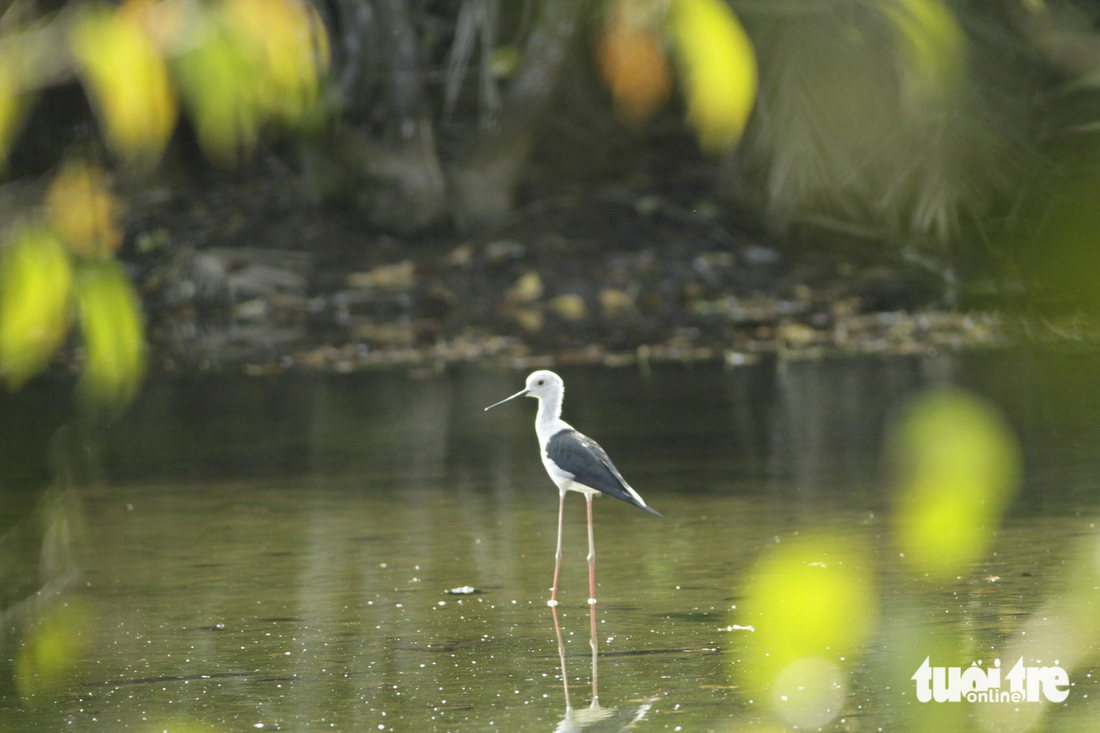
[253,554]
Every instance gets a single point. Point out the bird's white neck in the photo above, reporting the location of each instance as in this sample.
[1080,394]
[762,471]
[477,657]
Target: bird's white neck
[548,420]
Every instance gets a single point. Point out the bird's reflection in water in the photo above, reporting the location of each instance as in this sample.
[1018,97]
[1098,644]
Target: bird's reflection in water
[575,720]
[609,718]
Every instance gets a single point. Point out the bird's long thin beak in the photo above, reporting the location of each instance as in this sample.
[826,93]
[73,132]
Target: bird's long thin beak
[517,394]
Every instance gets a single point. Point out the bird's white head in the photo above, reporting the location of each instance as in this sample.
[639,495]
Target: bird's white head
[542,384]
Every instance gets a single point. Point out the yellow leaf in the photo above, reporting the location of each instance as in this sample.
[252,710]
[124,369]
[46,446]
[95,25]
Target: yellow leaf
[935,47]
[83,210]
[718,67]
[291,50]
[126,80]
[35,279]
[111,323]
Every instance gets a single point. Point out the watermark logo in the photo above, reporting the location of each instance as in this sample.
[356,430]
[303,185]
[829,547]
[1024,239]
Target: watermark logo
[974,684]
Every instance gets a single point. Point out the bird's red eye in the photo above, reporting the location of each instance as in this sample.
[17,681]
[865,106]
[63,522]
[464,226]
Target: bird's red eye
[542,382]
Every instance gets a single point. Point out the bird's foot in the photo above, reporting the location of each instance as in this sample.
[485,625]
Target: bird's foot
[551,603]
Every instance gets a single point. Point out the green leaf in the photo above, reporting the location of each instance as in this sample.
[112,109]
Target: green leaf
[111,324]
[35,279]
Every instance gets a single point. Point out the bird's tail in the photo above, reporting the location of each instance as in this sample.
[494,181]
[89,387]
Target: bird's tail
[632,497]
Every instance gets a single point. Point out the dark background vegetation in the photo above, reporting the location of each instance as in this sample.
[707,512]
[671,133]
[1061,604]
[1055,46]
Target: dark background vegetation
[900,156]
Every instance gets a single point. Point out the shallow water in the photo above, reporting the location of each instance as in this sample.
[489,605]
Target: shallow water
[276,554]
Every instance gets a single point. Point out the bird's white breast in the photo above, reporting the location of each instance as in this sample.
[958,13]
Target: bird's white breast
[547,425]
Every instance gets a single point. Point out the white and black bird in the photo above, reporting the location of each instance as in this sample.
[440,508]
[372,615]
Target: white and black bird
[575,462]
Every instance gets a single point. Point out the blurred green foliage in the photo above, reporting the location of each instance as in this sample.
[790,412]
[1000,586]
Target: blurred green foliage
[898,120]
[55,644]
[812,603]
[903,121]
[956,466]
[238,64]
[111,324]
[252,61]
[49,268]
[35,280]
[215,85]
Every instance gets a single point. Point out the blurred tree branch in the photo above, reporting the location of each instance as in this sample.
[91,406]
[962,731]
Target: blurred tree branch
[483,179]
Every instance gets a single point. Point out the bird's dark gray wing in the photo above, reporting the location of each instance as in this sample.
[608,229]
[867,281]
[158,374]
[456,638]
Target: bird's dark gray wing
[586,460]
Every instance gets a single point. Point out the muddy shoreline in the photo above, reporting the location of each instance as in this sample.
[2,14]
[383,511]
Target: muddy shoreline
[250,272]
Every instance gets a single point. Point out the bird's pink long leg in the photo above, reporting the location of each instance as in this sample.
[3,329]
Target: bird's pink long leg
[557,563]
[561,655]
[592,597]
[591,556]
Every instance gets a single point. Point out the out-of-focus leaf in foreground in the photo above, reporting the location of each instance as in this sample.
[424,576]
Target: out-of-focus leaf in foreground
[11,105]
[718,70]
[162,21]
[111,324]
[252,60]
[55,644]
[83,210]
[957,466]
[291,53]
[935,48]
[632,62]
[811,603]
[127,80]
[35,278]
[217,83]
